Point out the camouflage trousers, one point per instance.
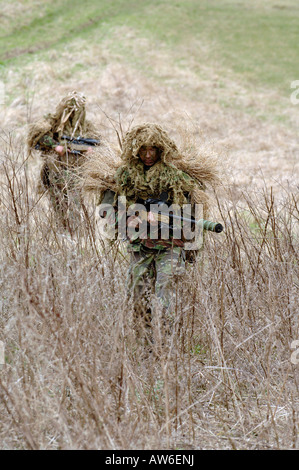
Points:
(154, 272)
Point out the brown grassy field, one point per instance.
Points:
(75, 375)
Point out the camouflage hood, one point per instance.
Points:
(148, 135)
(69, 119)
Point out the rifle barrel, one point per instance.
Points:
(81, 140)
(206, 224)
(211, 226)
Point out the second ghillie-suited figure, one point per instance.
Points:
(151, 167)
(56, 137)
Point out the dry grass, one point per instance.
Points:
(76, 376)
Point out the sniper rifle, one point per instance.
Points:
(74, 146)
(156, 206)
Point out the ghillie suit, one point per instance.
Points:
(154, 263)
(58, 172)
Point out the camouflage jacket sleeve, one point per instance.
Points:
(46, 142)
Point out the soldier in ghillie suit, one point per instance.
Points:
(53, 136)
(150, 164)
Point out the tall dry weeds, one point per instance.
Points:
(77, 377)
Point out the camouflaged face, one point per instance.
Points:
(148, 135)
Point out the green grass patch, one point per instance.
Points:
(59, 23)
(257, 42)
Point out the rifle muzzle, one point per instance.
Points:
(212, 226)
